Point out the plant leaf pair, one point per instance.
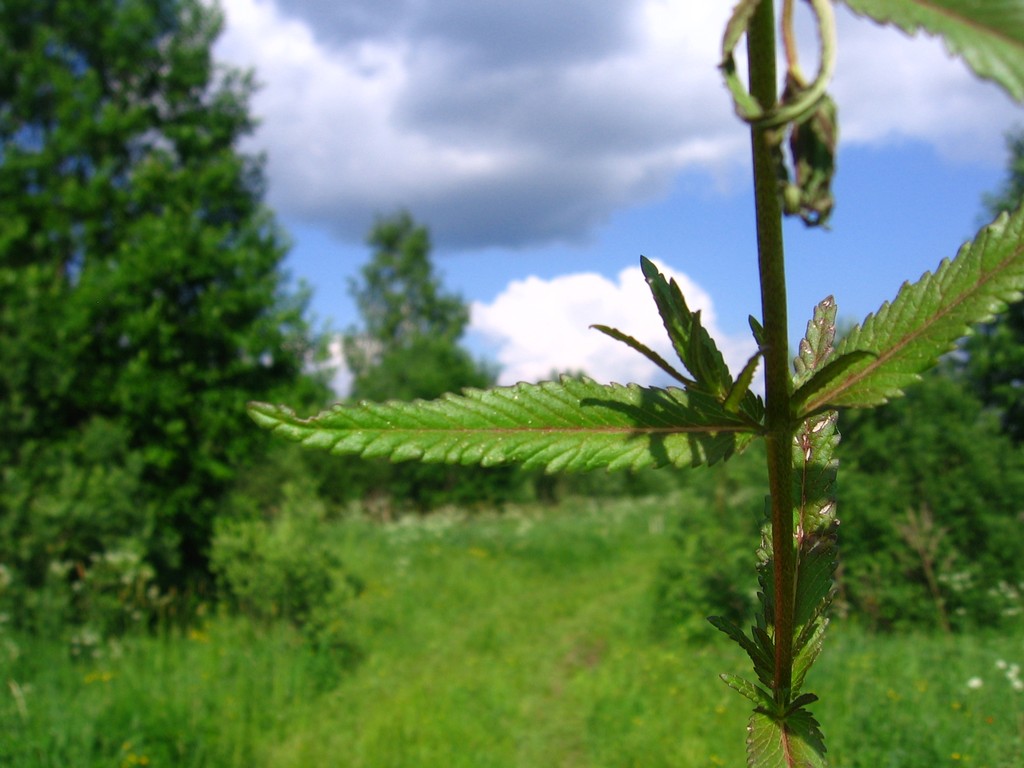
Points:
(791, 738)
(691, 341)
(695, 348)
(791, 741)
(782, 731)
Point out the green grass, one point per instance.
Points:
(513, 640)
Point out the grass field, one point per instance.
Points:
(519, 639)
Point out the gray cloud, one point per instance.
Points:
(345, 22)
(541, 200)
(528, 33)
(512, 124)
(478, 33)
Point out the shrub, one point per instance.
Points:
(76, 533)
(709, 570)
(283, 567)
(932, 505)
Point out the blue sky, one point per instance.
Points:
(548, 146)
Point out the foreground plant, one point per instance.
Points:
(579, 424)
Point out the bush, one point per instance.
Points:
(932, 504)
(75, 535)
(710, 571)
(283, 568)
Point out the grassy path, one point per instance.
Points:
(514, 641)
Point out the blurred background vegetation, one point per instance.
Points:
(143, 303)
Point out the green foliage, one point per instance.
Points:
(217, 695)
(578, 424)
(994, 362)
(932, 496)
(1011, 194)
(708, 569)
(423, 368)
(400, 298)
(140, 278)
(573, 424)
(283, 568)
(76, 529)
(797, 740)
(707, 574)
(691, 341)
(995, 368)
(782, 730)
(408, 346)
(509, 640)
(931, 524)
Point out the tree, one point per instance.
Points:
(932, 501)
(995, 353)
(406, 312)
(409, 349)
(140, 276)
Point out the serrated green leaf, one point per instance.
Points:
(764, 641)
(763, 662)
(757, 329)
(816, 345)
(815, 467)
(574, 424)
(791, 742)
(644, 350)
(810, 629)
(925, 320)
(807, 649)
(814, 581)
(696, 349)
(741, 387)
(800, 702)
(765, 579)
(834, 370)
(755, 693)
(988, 35)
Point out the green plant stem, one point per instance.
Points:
(771, 266)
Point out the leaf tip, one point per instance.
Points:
(647, 267)
(267, 415)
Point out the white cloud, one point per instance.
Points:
(542, 326)
(891, 87)
(341, 376)
(514, 124)
(490, 149)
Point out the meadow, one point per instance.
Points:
(490, 640)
